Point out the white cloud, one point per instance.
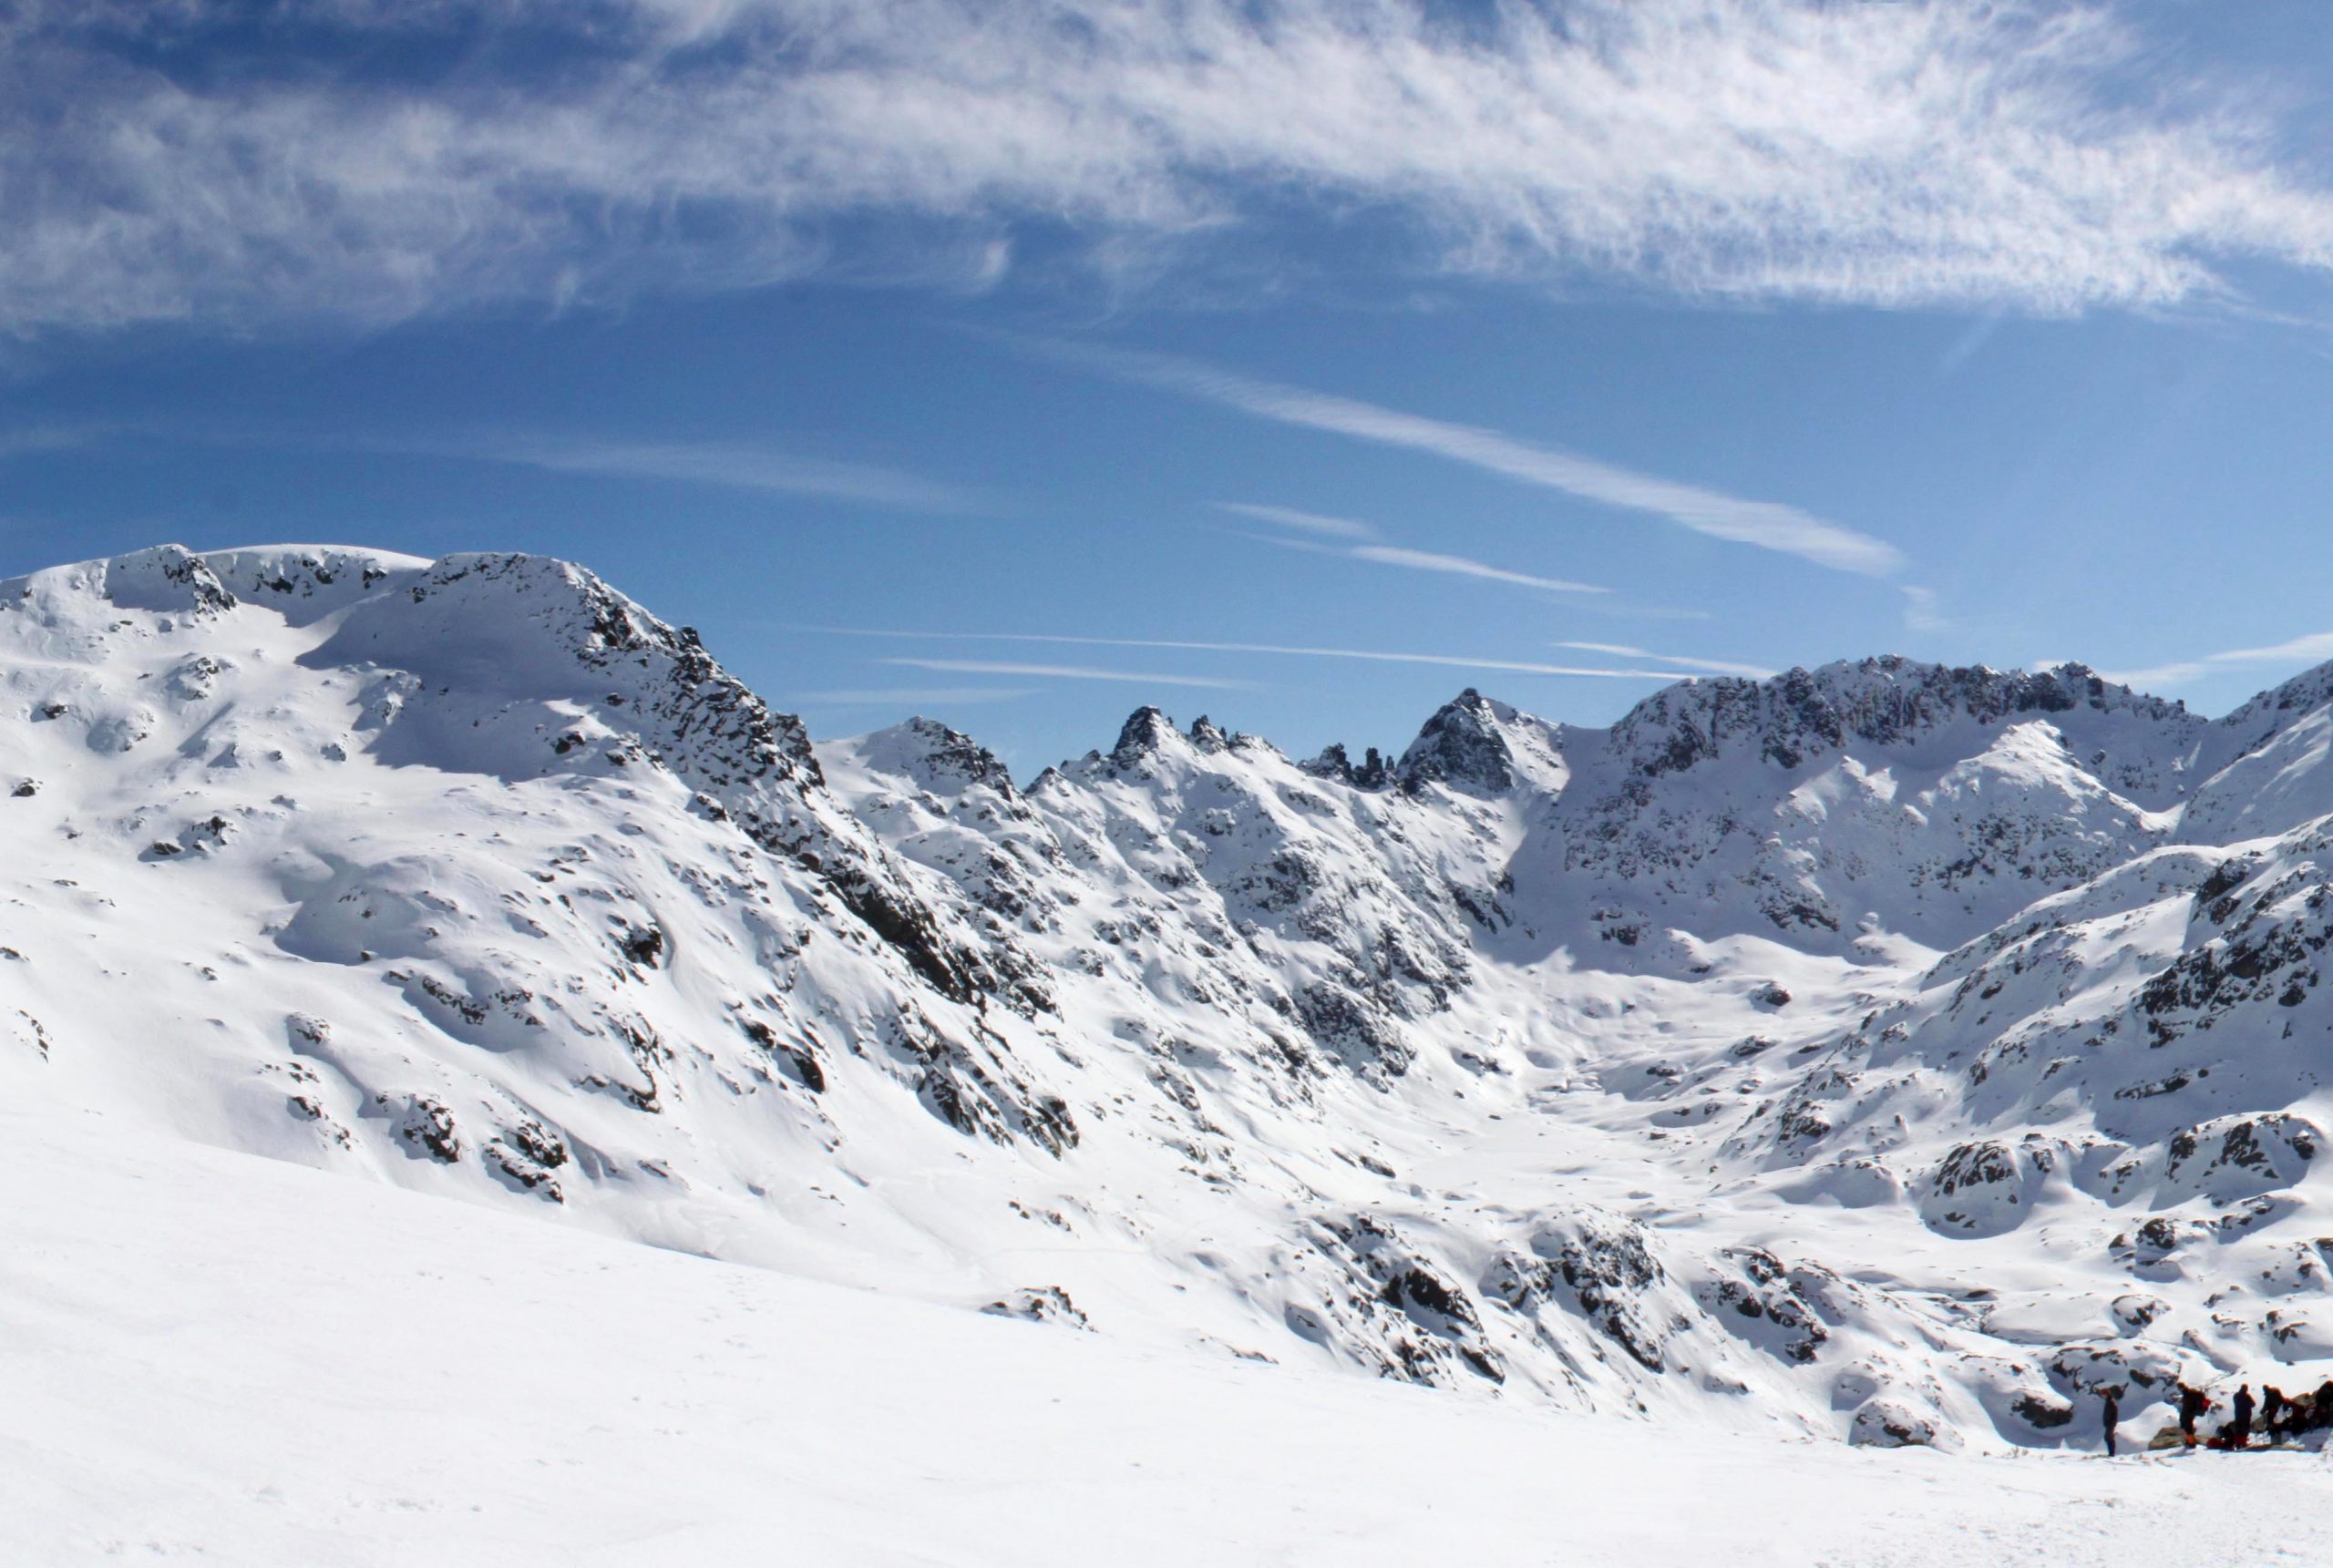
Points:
(1714, 666)
(36, 438)
(2153, 677)
(731, 465)
(1391, 555)
(1448, 661)
(901, 696)
(1066, 673)
(1459, 565)
(2315, 648)
(2023, 154)
(1309, 522)
(1769, 525)
(1924, 611)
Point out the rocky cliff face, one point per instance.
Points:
(1903, 1053)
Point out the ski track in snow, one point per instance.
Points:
(1883, 1052)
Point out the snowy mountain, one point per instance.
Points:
(1893, 1052)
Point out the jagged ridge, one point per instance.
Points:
(474, 876)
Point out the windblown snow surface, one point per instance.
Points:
(1880, 1057)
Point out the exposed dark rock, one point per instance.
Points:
(1893, 1424)
(1145, 732)
(1040, 1304)
(427, 1125)
(1373, 773)
(1601, 1266)
(166, 578)
(952, 755)
(1755, 1299)
(1398, 1308)
(643, 945)
(1800, 715)
(2240, 1156)
(2042, 1413)
(797, 1060)
(1461, 745)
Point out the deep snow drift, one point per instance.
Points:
(1884, 1052)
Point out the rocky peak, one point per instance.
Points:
(166, 578)
(2273, 709)
(1371, 773)
(1462, 746)
(1147, 730)
(305, 582)
(941, 755)
(1801, 714)
(535, 626)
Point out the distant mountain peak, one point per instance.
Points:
(938, 757)
(1148, 731)
(1462, 745)
(1371, 773)
(166, 578)
(1800, 714)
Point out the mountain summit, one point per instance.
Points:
(1901, 1052)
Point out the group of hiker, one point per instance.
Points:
(2280, 1417)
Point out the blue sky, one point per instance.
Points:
(1295, 363)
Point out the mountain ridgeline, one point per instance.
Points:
(1902, 1053)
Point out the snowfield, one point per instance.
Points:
(215, 1358)
(1882, 1057)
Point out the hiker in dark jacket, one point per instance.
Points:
(2321, 1408)
(2193, 1403)
(2111, 1415)
(2272, 1404)
(2239, 1431)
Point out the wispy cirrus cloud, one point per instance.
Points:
(369, 160)
(1068, 672)
(1461, 566)
(738, 465)
(2315, 648)
(33, 439)
(731, 465)
(1274, 650)
(1923, 609)
(2154, 677)
(1769, 525)
(896, 696)
(1714, 666)
(1345, 530)
(2312, 648)
(1306, 522)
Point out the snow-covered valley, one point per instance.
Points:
(1884, 1055)
(214, 1359)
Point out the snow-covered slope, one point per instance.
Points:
(1883, 1051)
(210, 1359)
